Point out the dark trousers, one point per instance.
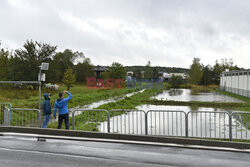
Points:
(64, 117)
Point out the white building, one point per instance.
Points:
(237, 82)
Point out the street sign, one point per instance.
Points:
(45, 66)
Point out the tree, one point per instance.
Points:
(175, 81)
(61, 62)
(218, 68)
(195, 72)
(117, 71)
(83, 70)
(69, 78)
(155, 73)
(148, 71)
(207, 75)
(29, 58)
(4, 61)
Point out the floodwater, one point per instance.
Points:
(207, 123)
(190, 95)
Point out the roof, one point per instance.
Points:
(100, 68)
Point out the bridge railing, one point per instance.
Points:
(129, 121)
(208, 124)
(90, 120)
(200, 124)
(26, 117)
(240, 125)
(166, 122)
(3, 106)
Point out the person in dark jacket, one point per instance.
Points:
(46, 110)
(62, 105)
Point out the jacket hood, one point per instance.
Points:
(59, 102)
(46, 96)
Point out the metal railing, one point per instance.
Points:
(3, 106)
(90, 120)
(166, 122)
(127, 121)
(240, 125)
(208, 124)
(200, 124)
(25, 117)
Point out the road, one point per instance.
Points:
(27, 152)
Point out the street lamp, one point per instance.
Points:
(41, 77)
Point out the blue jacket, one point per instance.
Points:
(46, 104)
(62, 105)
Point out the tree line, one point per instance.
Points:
(205, 75)
(23, 64)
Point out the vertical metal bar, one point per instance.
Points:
(141, 121)
(137, 121)
(230, 127)
(176, 131)
(155, 123)
(108, 119)
(125, 123)
(224, 125)
(172, 123)
(210, 129)
(164, 132)
(246, 124)
(186, 124)
(219, 127)
(146, 123)
(168, 122)
(205, 124)
(242, 121)
(159, 122)
(73, 120)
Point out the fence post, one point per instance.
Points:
(230, 127)
(146, 123)
(40, 119)
(108, 121)
(186, 124)
(73, 120)
(6, 116)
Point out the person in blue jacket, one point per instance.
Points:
(46, 109)
(62, 105)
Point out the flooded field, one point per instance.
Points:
(189, 95)
(205, 122)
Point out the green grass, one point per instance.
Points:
(245, 99)
(26, 98)
(126, 103)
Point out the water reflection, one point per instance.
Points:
(188, 95)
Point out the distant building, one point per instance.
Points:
(237, 82)
(130, 73)
(183, 75)
(98, 70)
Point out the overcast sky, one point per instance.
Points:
(166, 32)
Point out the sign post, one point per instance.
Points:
(44, 66)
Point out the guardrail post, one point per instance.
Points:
(186, 125)
(40, 119)
(6, 117)
(146, 123)
(73, 120)
(108, 121)
(230, 127)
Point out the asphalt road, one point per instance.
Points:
(26, 152)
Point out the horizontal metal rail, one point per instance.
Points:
(200, 124)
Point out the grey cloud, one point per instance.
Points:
(166, 32)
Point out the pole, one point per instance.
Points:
(39, 80)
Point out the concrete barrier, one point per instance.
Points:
(112, 136)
